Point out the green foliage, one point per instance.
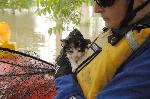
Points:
(61, 11)
(3, 4)
(16, 4)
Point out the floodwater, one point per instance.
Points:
(30, 32)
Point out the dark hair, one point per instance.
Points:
(105, 3)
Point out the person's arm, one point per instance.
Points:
(67, 87)
(133, 81)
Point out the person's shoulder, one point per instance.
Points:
(139, 58)
(132, 81)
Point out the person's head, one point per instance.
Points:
(114, 11)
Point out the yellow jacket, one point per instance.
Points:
(94, 77)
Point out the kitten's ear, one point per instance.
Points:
(63, 42)
(88, 41)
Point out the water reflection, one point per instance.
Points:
(30, 33)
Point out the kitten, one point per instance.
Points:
(75, 47)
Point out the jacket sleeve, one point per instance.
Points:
(132, 81)
(67, 86)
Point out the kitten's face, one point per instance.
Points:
(75, 41)
(75, 46)
(74, 49)
(75, 54)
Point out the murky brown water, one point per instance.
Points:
(30, 33)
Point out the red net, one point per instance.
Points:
(24, 76)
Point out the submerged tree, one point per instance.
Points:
(61, 11)
(15, 4)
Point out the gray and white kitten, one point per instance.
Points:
(75, 46)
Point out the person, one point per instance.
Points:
(121, 69)
(5, 34)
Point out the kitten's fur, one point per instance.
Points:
(75, 47)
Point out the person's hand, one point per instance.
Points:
(64, 66)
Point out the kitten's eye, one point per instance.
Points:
(81, 50)
(70, 51)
